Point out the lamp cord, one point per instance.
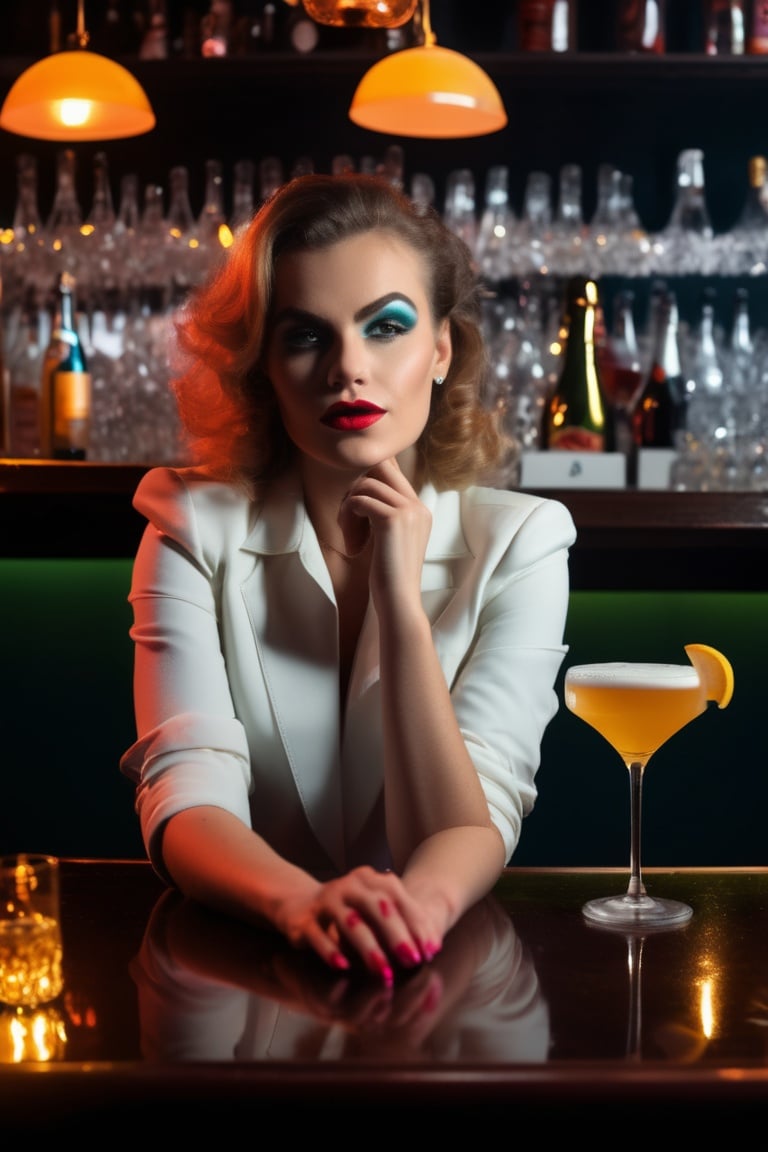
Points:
(81, 35)
(429, 37)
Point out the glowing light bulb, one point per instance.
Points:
(75, 113)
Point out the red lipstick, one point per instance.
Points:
(353, 417)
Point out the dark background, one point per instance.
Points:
(588, 107)
(593, 106)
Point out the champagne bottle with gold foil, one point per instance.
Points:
(66, 383)
(577, 415)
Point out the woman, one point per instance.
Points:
(345, 649)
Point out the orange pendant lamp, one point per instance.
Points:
(429, 92)
(77, 95)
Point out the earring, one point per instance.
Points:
(438, 380)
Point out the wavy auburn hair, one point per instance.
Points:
(225, 400)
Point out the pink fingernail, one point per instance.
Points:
(430, 950)
(381, 966)
(339, 961)
(407, 955)
(384, 907)
(352, 919)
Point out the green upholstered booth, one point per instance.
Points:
(65, 685)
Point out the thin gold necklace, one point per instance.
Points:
(349, 557)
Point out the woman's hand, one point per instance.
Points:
(366, 916)
(399, 525)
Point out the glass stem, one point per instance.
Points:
(636, 887)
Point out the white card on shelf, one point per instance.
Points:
(567, 469)
(653, 467)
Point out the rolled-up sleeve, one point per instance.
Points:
(191, 749)
(185, 762)
(503, 694)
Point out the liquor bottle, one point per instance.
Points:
(724, 33)
(101, 218)
(621, 374)
(243, 203)
(66, 216)
(65, 393)
(568, 230)
(576, 415)
(216, 28)
(28, 264)
(690, 212)
(640, 26)
(706, 370)
(154, 40)
(757, 41)
(212, 215)
(494, 233)
(754, 212)
(183, 249)
(459, 208)
(547, 25)
(271, 177)
(660, 408)
(119, 31)
(155, 279)
(54, 27)
(295, 30)
(128, 216)
(741, 330)
(24, 360)
(742, 360)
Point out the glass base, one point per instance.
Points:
(636, 912)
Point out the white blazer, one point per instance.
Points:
(236, 662)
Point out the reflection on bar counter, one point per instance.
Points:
(134, 267)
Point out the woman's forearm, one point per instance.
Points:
(455, 868)
(216, 859)
(431, 782)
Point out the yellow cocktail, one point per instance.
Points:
(636, 708)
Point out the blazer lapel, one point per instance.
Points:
(296, 648)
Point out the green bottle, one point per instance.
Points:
(577, 416)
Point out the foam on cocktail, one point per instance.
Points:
(636, 675)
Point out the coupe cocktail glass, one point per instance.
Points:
(636, 708)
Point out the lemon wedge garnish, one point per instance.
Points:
(715, 672)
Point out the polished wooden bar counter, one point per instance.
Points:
(626, 538)
(528, 1015)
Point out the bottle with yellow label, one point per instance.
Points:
(65, 395)
(577, 415)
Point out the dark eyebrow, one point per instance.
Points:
(377, 305)
(300, 316)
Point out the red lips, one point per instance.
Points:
(348, 417)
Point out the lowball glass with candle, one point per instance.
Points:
(30, 930)
(637, 707)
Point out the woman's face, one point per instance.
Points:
(352, 350)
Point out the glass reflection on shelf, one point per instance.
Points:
(213, 989)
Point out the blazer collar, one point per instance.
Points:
(282, 524)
